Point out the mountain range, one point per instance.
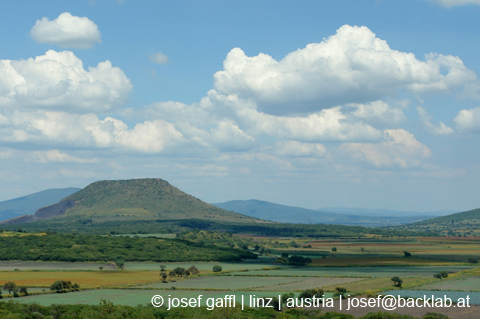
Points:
(339, 216)
(156, 199)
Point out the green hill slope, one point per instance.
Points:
(143, 199)
(28, 205)
(136, 199)
(464, 223)
(155, 206)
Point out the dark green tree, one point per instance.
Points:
(179, 271)
(24, 290)
(164, 276)
(299, 260)
(193, 270)
(9, 286)
(57, 286)
(120, 263)
(397, 282)
(340, 291)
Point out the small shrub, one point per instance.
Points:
(397, 282)
(340, 291)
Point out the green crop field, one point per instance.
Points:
(301, 283)
(199, 265)
(463, 284)
(134, 297)
(226, 282)
(406, 271)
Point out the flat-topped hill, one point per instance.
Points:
(136, 199)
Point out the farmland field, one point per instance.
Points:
(349, 267)
(383, 283)
(302, 283)
(133, 297)
(407, 271)
(250, 282)
(44, 265)
(225, 282)
(199, 265)
(376, 261)
(454, 295)
(463, 284)
(86, 279)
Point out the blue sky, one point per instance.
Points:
(371, 104)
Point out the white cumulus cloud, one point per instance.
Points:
(326, 125)
(66, 130)
(399, 148)
(352, 66)
(67, 31)
(58, 80)
(468, 120)
(229, 137)
(377, 113)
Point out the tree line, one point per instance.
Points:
(78, 248)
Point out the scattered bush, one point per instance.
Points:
(193, 270)
(340, 291)
(9, 286)
(397, 282)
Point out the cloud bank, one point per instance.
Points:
(58, 80)
(352, 66)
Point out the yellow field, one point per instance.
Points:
(86, 279)
(379, 262)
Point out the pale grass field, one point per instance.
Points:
(373, 261)
(86, 279)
